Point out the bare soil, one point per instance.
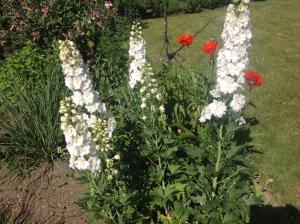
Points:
(47, 196)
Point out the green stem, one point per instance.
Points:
(217, 165)
(95, 184)
(212, 58)
(229, 177)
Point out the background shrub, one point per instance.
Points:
(25, 67)
(154, 8)
(101, 35)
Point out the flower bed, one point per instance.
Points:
(175, 153)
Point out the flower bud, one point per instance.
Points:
(162, 109)
(143, 105)
(116, 157)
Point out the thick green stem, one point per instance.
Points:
(217, 165)
(160, 166)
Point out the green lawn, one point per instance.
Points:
(275, 53)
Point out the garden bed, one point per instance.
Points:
(48, 195)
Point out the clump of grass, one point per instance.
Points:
(31, 128)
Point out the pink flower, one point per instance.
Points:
(36, 35)
(95, 14)
(45, 10)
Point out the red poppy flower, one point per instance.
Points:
(45, 10)
(186, 39)
(253, 79)
(210, 47)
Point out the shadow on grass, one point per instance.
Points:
(274, 215)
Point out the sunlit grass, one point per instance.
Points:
(275, 53)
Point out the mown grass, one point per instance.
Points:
(275, 53)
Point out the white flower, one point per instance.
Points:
(153, 91)
(143, 105)
(206, 114)
(232, 61)
(162, 109)
(217, 108)
(72, 162)
(85, 150)
(202, 119)
(92, 120)
(81, 163)
(94, 164)
(111, 126)
(77, 78)
(137, 51)
(227, 85)
(77, 98)
(238, 102)
(116, 157)
(241, 121)
(158, 96)
(63, 119)
(216, 93)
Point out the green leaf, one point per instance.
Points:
(90, 204)
(169, 152)
(173, 168)
(233, 151)
(194, 152)
(199, 200)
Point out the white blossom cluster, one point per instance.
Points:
(77, 78)
(137, 51)
(87, 134)
(77, 131)
(231, 63)
(149, 91)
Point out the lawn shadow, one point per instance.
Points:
(243, 135)
(266, 214)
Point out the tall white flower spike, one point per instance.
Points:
(86, 134)
(232, 60)
(137, 51)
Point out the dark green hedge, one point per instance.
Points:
(152, 8)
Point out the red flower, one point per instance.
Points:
(210, 47)
(253, 79)
(45, 10)
(186, 39)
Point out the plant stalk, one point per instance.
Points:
(217, 165)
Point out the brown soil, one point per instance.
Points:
(47, 196)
